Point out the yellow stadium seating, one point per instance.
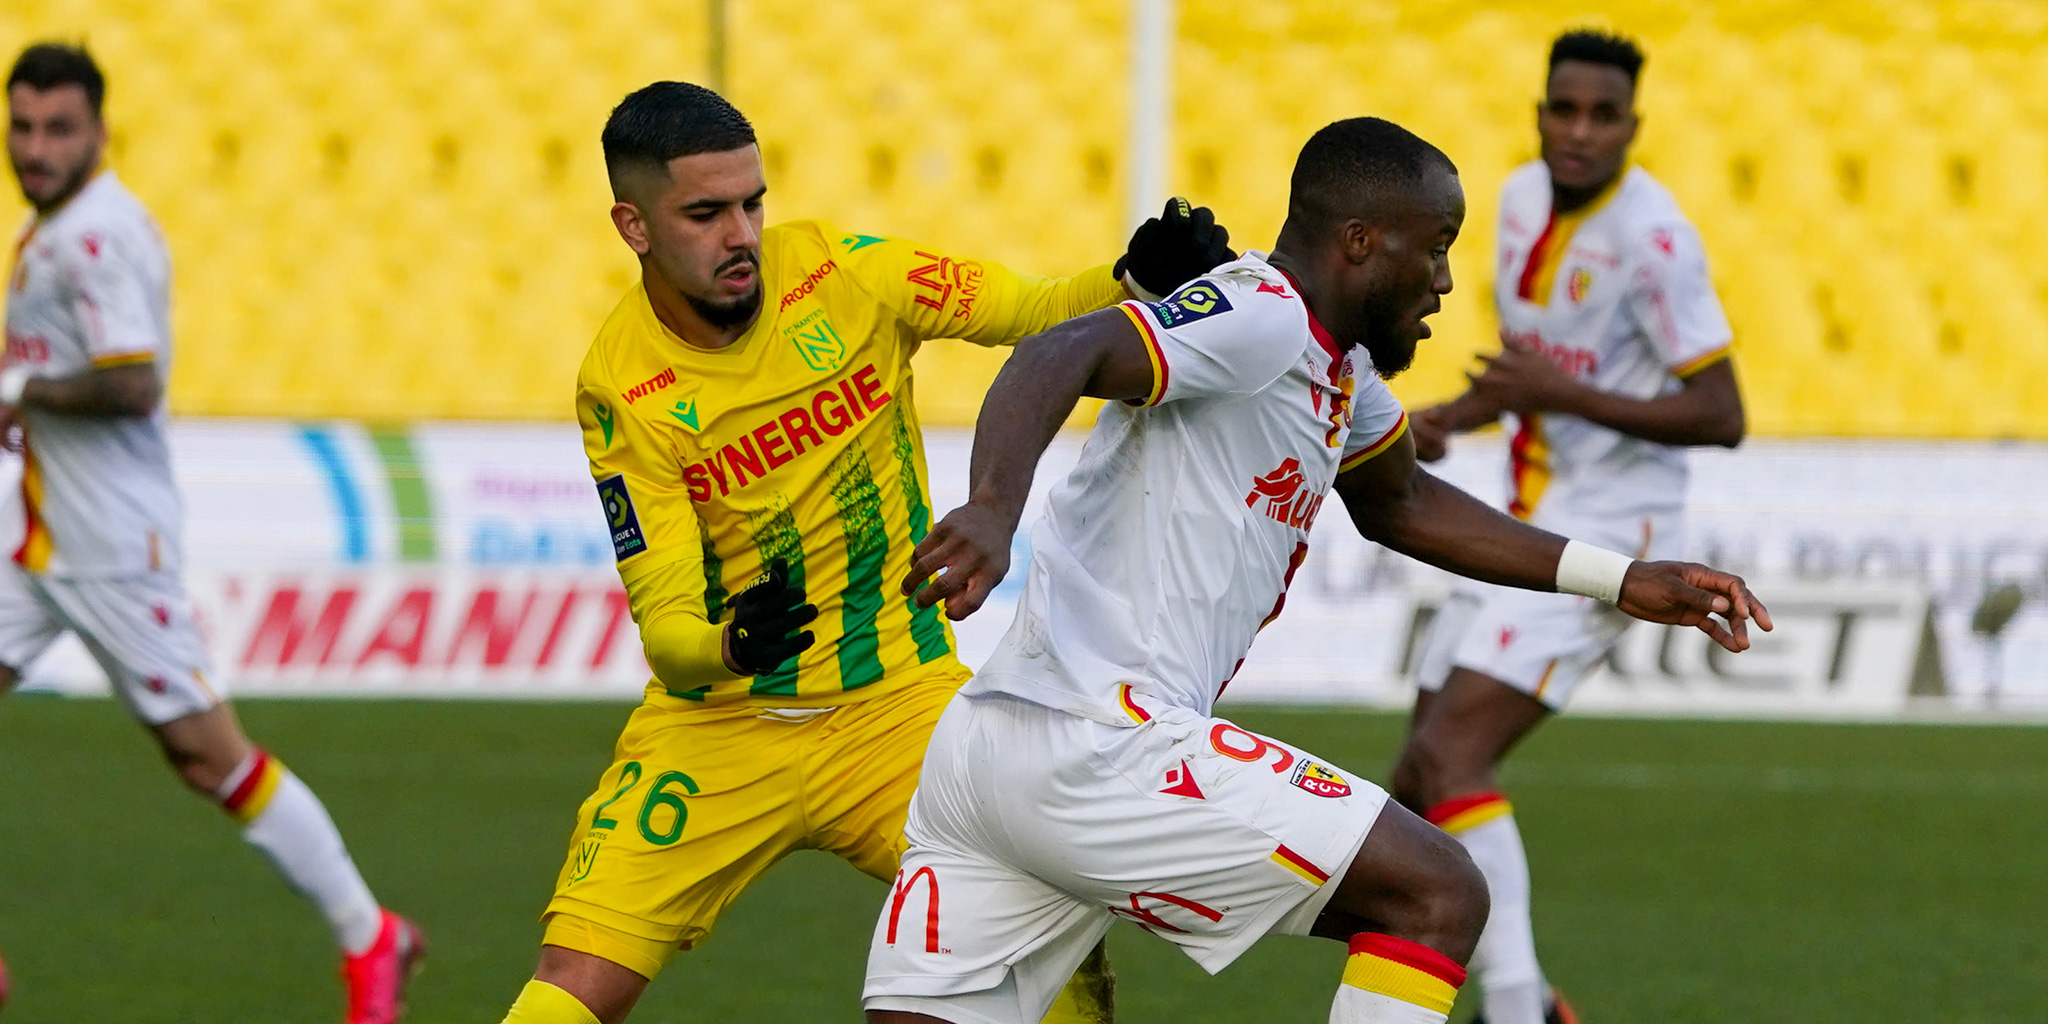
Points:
(396, 210)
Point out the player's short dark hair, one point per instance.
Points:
(660, 122)
(1593, 46)
(1358, 166)
(46, 66)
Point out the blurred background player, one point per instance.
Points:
(747, 456)
(81, 397)
(1615, 356)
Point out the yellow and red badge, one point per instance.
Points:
(1312, 778)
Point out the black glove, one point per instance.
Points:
(765, 618)
(1168, 251)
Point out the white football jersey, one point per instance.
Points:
(1617, 294)
(1174, 538)
(90, 288)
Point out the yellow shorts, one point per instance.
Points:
(700, 801)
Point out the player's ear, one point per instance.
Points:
(632, 226)
(1359, 240)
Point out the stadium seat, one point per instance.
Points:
(369, 200)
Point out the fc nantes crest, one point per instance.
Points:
(817, 342)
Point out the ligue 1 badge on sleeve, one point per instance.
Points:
(1196, 301)
(627, 540)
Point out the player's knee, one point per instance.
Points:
(197, 771)
(1405, 783)
(1437, 764)
(1448, 905)
(1462, 901)
(8, 677)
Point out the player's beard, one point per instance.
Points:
(1385, 341)
(731, 313)
(68, 185)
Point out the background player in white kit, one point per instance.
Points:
(1080, 776)
(81, 397)
(1615, 354)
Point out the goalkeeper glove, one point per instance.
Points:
(1169, 250)
(766, 618)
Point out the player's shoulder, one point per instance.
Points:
(814, 243)
(1247, 295)
(104, 207)
(804, 256)
(625, 344)
(1528, 183)
(1651, 222)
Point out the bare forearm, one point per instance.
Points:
(122, 391)
(1032, 396)
(1439, 524)
(1692, 416)
(1468, 411)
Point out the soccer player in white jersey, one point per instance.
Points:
(1614, 358)
(1081, 776)
(81, 397)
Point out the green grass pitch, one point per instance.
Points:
(1685, 871)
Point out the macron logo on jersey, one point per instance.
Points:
(1287, 500)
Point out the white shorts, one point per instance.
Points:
(1033, 829)
(139, 629)
(1542, 644)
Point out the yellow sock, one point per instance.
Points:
(1389, 980)
(542, 1003)
(1089, 995)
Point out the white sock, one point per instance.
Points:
(1395, 981)
(281, 817)
(1357, 1006)
(1505, 959)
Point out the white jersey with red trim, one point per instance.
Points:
(1617, 294)
(1174, 538)
(90, 288)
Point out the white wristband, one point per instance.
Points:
(1138, 290)
(1593, 571)
(12, 381)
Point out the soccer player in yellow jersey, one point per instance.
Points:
(747, 413)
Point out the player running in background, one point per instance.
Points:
(1615, 355)
(88, 350)
(1081, 776)
(747, 412)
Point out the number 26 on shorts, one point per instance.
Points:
(662, 811)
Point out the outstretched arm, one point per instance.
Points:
(1394, 502)
(131, 389)
(1707, 410)
(1434, 426)
(1100, 355)
(128, 390)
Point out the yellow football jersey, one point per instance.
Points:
(797, 441)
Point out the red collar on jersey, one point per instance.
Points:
(1315, 327)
